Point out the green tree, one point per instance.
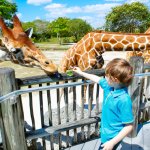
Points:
(58, 27)
(40, 29)
(134, 17)
(7, 9)
(78, 28)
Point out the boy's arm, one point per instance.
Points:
(92, 77)
(123, 133)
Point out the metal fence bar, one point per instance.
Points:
(19, 92)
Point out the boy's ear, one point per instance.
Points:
(116, 80)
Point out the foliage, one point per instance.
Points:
(7, 9)
(78, 28)
(59, 27)
(40, 30)
(62, 28)
(134, 17)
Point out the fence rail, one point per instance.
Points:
(60, 126)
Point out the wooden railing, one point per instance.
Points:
(64, 127)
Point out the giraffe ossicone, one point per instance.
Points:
(22, 50)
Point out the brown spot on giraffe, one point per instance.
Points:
(107, 46)
(135, 45)
(130, 39)
(112, 41)
(142, 47)
(118, 38)
(118, 46)
(125, 42)
(106, 38)
(141, 40)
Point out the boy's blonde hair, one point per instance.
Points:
(120, 69)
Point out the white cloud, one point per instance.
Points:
(142, 1)
(38, 2)
(114, 0)
(19, 15)
(93, 14)
(54, 6)
(37, 18)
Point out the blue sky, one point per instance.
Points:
(93, 11)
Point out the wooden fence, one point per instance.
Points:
(63, 127)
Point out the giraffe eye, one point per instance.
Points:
(46, 62)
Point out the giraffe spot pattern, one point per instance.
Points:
(141, 40)
(135, 45)
(113, 41)
(129, 47)
(107, 46)
(142, 47)
(118, 46)
(131, 39)
(106, 37)
(125, 42)
(118, 38)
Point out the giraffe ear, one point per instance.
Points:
(17, 24)
(29, 32)
(2, 23)
(5, 30)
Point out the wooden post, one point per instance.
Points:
(11, 119)
(136, 89)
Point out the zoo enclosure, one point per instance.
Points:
(15, 134)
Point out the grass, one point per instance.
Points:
(49, 46)
(53, 44)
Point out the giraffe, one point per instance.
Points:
(22, 50)
(4, 56)
(87, 53)
(145, 54)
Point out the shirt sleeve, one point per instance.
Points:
(103, 83)
(125, 107)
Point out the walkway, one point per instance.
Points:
(140, 142)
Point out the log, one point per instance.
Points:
(10, 115)
(136, 89)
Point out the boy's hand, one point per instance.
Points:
(108, 145)
(76, 69)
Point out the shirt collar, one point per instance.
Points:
(118, 92)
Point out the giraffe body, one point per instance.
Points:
(84, 54)
(145, 54)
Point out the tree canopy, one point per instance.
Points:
(61, 27)
(7, 9)
(134, 17)
(78, 28)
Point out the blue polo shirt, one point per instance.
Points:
(116, 111)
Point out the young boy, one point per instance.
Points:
(117, 118)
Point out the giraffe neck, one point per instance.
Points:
(121, 42)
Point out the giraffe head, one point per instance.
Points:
(22, 50)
